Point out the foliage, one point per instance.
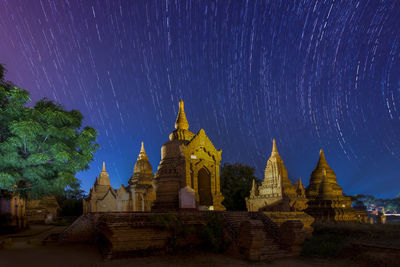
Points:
(42, 145)
(324, 244)
(236, 180)
(213, 234)
(70, 200)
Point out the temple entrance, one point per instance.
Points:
(204, 186)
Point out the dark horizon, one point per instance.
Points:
(311, 75)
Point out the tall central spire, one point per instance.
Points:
(104, 178)
(142, 153)
(274, 148)
(181, 121)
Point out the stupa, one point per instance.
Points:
(326, 199)
(188, 161)
(139, 194)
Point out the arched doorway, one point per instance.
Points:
(204, 187)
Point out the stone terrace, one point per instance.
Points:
(121, 234)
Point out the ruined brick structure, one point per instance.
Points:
(137, 196)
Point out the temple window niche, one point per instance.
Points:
(204, 187)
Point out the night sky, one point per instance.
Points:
(312, 74)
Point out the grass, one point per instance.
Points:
(328, 240)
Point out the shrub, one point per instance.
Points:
(213, 235)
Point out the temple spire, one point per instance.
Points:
(104, 167)
(274, 152)
(104, 178)
(274, 148)
(300, 183)
(322, 163)
(142, 153)
(181, 121)
(322, 155)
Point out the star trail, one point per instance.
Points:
(312, 74)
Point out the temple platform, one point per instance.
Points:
(251, 235)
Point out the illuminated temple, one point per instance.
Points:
(187, 177)
(188, 174)
(323, 199)
(137, 196)
(277, 192)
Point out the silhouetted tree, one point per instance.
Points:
(236, 180)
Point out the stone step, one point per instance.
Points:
(273, 255)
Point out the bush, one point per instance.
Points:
(213, 235)
(325, 245)
(329, 239)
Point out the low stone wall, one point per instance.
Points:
(120, 234)
(281, 217)
(37, 210)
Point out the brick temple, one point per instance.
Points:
(186, 186)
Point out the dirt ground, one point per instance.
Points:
(25, 249)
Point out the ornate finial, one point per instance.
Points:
(104, 179)
(274, 148)
(104, 167)
(142, 148)
(181, 121)
(142, 153)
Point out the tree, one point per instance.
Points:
(42, 145)
(236, 181)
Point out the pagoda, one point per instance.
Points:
(139, 194)
(189, 164)
(276, 192)
(326, 199)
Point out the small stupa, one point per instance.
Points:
(326, 199)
